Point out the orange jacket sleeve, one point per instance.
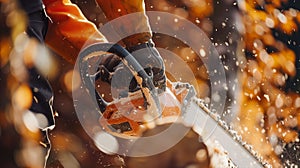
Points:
(129, 26)
(69, 30)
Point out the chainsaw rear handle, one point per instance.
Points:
(128, 61)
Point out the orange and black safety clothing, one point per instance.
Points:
(69, 30)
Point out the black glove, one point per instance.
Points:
(113, 71)
(149, 58)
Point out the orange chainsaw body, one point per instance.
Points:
(126, 116)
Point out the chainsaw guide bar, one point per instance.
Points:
(193, 110)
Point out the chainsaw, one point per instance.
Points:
(127, 116)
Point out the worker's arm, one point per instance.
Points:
(136, 33)
(132, 24)
(69, 30)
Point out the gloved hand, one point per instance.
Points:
(149, 58)
(113, 71)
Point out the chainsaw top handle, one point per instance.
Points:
(146, 83)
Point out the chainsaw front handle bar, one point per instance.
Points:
(127, 59)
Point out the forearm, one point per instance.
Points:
(131, 25)
(69, 30)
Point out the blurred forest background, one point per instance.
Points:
(259, 45)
